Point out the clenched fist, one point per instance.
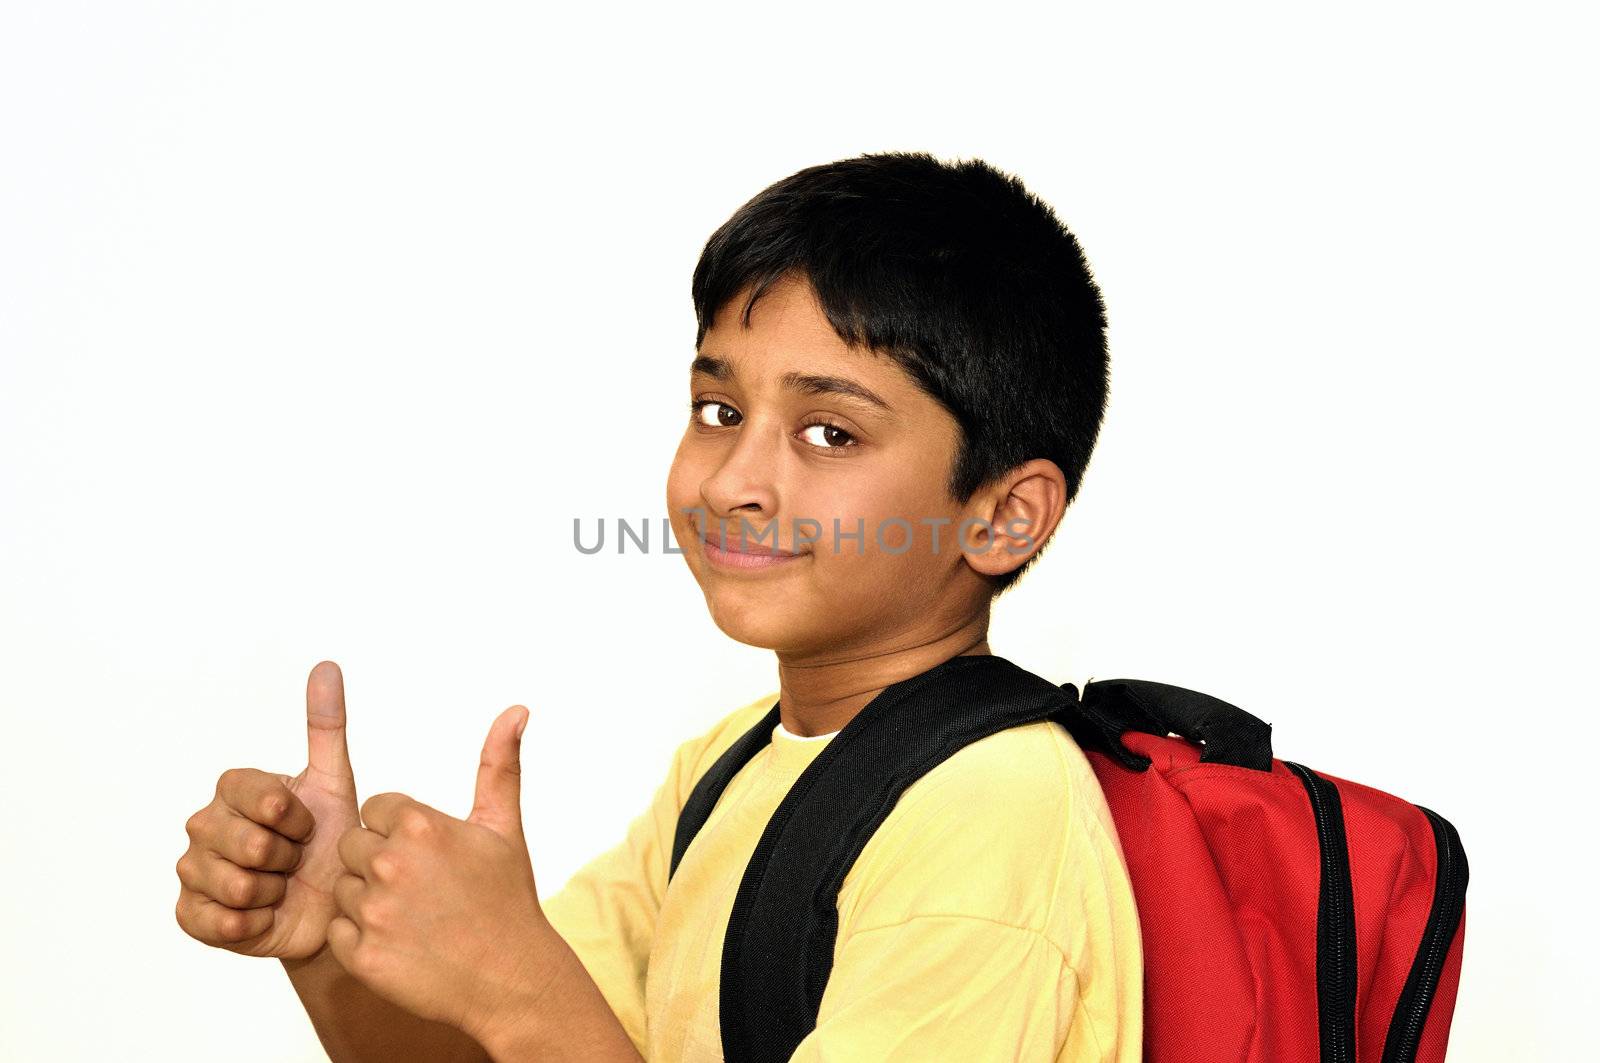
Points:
(263, 856)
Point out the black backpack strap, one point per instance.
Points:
(778, 950)
(703, 798)
(1113, 706)
(1093, 722)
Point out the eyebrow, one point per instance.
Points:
(805, 383)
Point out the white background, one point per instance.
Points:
(319, 324)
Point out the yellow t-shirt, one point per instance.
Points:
(989, 917)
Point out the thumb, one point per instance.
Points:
(327, 754)
(497, 801)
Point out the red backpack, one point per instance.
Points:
(1287, 916)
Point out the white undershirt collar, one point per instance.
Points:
(780, 731)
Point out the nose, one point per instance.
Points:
(743, 485)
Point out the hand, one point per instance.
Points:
(441, 915)
(258, 875)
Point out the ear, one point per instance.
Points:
(1017, 516)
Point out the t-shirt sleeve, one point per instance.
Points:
(607, 910)
(944, 987)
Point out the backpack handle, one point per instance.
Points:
(1230, 735)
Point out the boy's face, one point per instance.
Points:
(767, 457)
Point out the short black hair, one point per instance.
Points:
(958, 272)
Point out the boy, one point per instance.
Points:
(900, 376)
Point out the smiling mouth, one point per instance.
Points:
(730, 551)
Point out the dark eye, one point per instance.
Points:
(720, 419)
(829, 436)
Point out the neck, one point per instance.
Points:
(817, 697)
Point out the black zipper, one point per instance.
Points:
(1336, 922)
(1444, 915)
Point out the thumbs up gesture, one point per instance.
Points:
(258, 875)
(440, 915)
